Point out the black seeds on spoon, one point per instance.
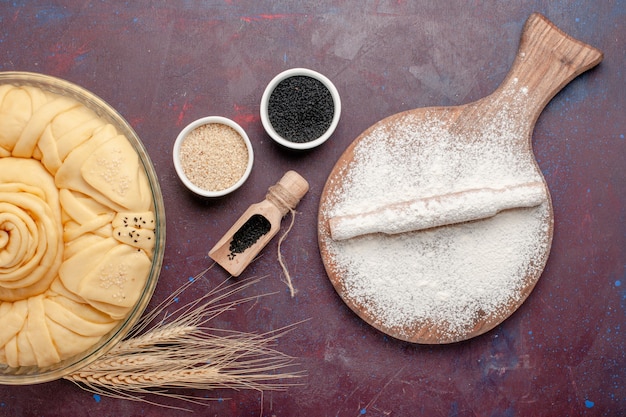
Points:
(248, 234)
(300, 108)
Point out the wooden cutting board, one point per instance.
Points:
(546, 61)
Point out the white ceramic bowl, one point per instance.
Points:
(265, 101)
(177, 162)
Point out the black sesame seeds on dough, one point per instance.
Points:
(300, 109)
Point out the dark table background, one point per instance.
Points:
(164, 64)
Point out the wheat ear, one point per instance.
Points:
(172, 350)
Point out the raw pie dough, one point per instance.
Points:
(76, 227)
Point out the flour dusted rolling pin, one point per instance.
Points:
(441, 210)
(433, 147)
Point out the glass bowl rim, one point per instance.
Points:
(33, 374)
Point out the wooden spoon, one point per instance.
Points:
(546, 61)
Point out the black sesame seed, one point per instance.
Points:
(300, 108)
(248, 234)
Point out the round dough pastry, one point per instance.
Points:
(77, 227)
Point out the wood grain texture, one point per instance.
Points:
(547, 59)
(280, 199)
(164, 64)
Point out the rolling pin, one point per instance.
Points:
(436, 211)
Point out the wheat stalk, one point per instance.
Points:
(172, 350)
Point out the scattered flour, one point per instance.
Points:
(446, 278)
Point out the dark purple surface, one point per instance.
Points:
(162, 65)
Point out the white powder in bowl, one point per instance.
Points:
(442, 280)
